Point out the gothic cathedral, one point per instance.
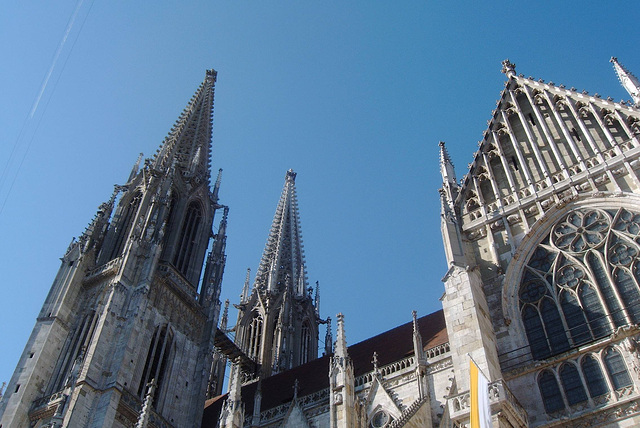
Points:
(542, 291)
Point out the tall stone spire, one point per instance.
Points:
(628, 80)
(283, 257)
(278, 319)
(188, 145)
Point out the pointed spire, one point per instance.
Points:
(283, 256)
(328, 339)
(245, 289)
(316, 302)
(418, 349)
(225, 316)
(136, 167)
(216, 187)
(188, 144)
(143, 419)
(341, 339)
(628, 80)
(446, 165)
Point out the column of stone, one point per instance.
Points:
(547, 133)
(516, 148)
(496, 191)
(612, 142)
(623, 123)
(565, 131)
(594, 146)
(532, 141)
(485, 214)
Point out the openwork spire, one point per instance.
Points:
(282, 262)
(628, 80)
(188, 145)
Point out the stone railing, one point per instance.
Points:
(386, 370)
(500, 398)
(49, 402)
(436, 351)
(110, 267)
(305, 402)
(172, 275)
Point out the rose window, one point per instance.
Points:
(580, 230)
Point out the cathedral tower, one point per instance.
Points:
(278, 319)
(130, 317)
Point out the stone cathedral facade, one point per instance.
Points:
(542, 291)
(125, 334)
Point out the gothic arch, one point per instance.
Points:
(559, 269)
(188, 238)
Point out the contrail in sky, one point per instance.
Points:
(55, 58)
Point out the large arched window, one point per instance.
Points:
(593, 375)
(124, 225)
(254, 336)
(582, 280)
(188, 239)
(157, 364)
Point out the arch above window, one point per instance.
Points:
(581, 281)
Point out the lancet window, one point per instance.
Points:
(582, 280)
(188, 240)
(75, 351)
(565, 385)
(254, 336)
(305, 343)
(124, 225)
(157, 364)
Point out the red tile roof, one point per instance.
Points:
(391, 346)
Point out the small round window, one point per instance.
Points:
(380, 419)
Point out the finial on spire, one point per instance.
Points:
(316, 302)
(290, 176)
(145, 413)
(216, 186)
(374, 361)
(225, 316)
(245, 289)
(627, 79)
(508, 68)
(328, 339)
(296, 385)
(446, 165)
(136, 167)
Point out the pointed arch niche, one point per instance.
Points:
(187, 244)
(576, 277)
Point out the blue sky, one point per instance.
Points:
(354, 96)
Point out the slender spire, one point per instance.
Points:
(316, 302)
(224, 321)
(283, 256)
(628, 80)
(136, 167)
(446, 165)
(145, 413)
(188, 145)
(216, 187)
(417, 338)
(245, 289)
(328, 339)
(341, 339)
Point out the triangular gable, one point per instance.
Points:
(295, 417)
(379, 398)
